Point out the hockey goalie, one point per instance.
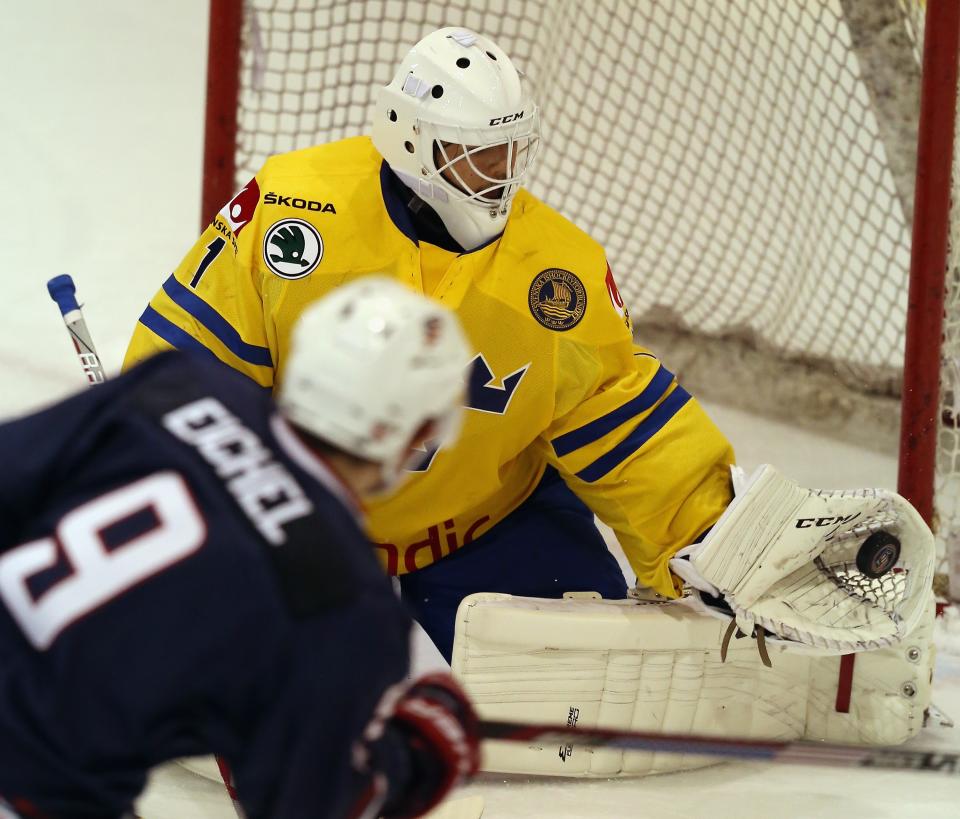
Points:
(787, 581)
(566, 420)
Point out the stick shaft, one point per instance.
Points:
(63, 291)
(86, 352)
(794, 753)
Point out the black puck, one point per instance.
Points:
(878, 554)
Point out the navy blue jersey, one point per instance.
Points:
(180, 576)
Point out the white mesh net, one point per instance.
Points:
(748, 166)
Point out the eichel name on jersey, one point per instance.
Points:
(557, 380)
(179, 576)
(266, 492)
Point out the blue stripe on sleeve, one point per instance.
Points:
(595, 430)
(173, 335)
(644, 431)
(182, 340)
(216, 324)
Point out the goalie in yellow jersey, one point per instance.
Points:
(565, 416)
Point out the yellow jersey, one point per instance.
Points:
(556, 380)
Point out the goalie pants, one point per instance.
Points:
(545, 547)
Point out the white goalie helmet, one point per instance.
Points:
(373, 366)
(457, 88)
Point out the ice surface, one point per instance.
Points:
(101, 129)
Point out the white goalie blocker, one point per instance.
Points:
(655, 665)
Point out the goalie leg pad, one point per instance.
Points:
(656, 667)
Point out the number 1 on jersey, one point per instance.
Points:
(213, 250)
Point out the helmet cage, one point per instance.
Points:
(522, 141)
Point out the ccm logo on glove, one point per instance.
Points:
(806, 523)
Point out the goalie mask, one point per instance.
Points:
(375, 368)
(457, 126)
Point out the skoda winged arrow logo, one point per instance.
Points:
(292, 248)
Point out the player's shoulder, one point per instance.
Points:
(325, 560)
(545, 239)
(190, 372)
(319, 196)
(351, 157)
(170, 380)
(300, 517)
(569, 286)
(546, 227)
(319, 562)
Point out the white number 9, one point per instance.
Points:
(176, 530)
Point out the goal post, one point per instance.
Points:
(925, 417)
(749, 168)
(220, 122)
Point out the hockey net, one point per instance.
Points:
(749, 167)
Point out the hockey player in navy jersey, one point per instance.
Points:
(183, 571)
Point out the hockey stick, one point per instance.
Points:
(63, 291)
(760, 750)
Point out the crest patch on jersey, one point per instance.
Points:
(292, 248)
(557, 299)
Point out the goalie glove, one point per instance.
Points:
(837, 571)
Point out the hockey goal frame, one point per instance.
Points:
(920, 407)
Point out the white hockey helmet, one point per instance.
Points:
(458, 87)
(373, 366)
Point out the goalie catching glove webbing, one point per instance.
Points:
(838, 571)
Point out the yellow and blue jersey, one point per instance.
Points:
(556, 380)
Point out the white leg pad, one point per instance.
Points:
(656, 667)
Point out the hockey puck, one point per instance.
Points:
(878, 554)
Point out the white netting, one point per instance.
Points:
(748, 166)
(728, 158)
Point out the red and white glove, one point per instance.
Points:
(441, 730)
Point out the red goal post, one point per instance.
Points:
(925, 413)
(749, 168)
(220, 122)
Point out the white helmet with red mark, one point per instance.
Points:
(458, 88)
(374, 369)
